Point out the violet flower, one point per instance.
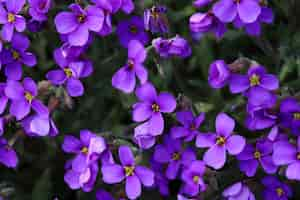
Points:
(173, 154)
(11, 19)
(227, 10)
(192, 177)
(23, 98)
(252, 156)
(149, 110)
(238, 191)
(16, 55)
(290, 115)
(155, 19)
(189, 127)
(124, 79)
(201, 3)
(132, 173)
(132, 29)
(284, 153)
(3, 98)
(39, 8)
(219, 74)
(78, 23)
(275, 189)
(8, 156)
(220, 142)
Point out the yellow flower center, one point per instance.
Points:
(221, 141)
(84, 150)
(129, 170)
(133, 29)
(81, 18)
(176, 156)
(279, 192)
(130, 64)
(15, 55)
(254, 80)
(296, 116)
(28, 97)
(11, 17)
(257, 155)
(68, 72)
(155, 107)
(196, 179)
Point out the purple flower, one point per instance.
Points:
(37, 125)
(84, 178)
(201, 23)
(161, 181)
(254, 28)
(260, 117)
(3, 98)
(11, 19)
(257, 84)
(220, 142)
(8, 156)
(275, 190)
(103, 195)
(39, 8)
(70, 76)
(290, 115)
(124, 79)
(251, 156)
(36, 26)
(173, 154)
(78, 23)
(155, 19)
(219, 74)
(192, 177)
(227, 10)
(238, 191)
(201, 3)
(176, 46)
(23, 98)
(16, 55)
(87, 149)
(285, 153)
(132, 29)
(189, 127)
(149, 110)
(132, 173)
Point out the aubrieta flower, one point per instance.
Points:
(275, 189)
(37, 125)
(238, 191)
(3, 98)
(251, 157)
(201, 23)
(39, 8)
(190, 125)
(71, 75)
(201, 3)
(192, 177)
(8, 156)
(16, 55)
(149, 109)
(125, 78)
(219, 74)
(11, 19)
(155, 19)
(172, 153)
(132, 29)
(257, 84)
(134, 174)
(290, 115)
(87, 149)
(84, 178)
(220, 142)
(227, 10)
(23, 98)
(160, 180)
(78, 23)
(176, 46)
(284, 153)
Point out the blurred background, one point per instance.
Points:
(106, 111)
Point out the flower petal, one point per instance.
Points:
(235, 144)
(145, 175)
(215, 157)
(133, 187)
(224, 124)
(112, 173)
